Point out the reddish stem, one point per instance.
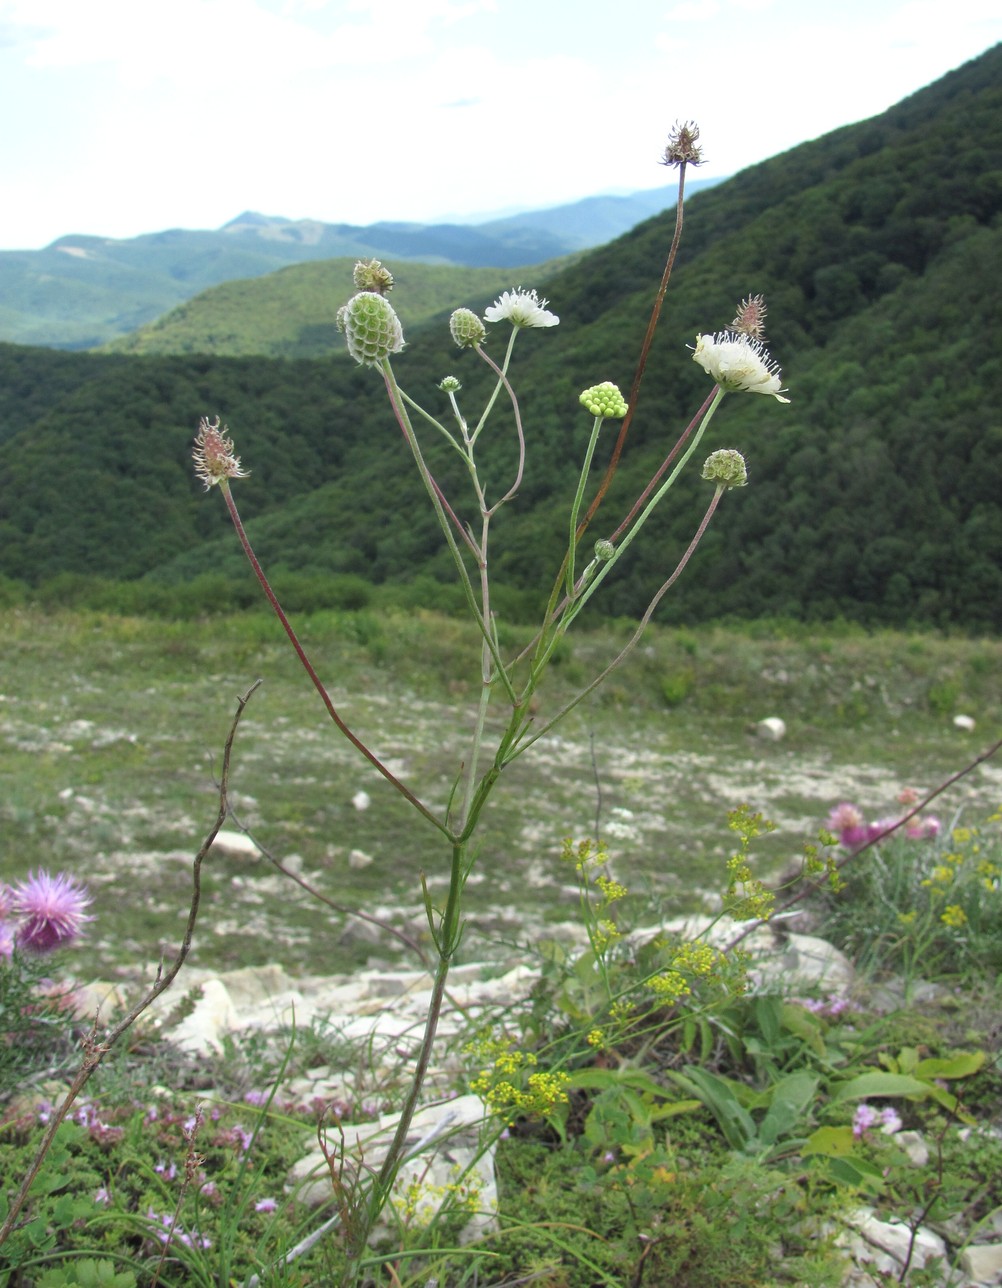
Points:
(318, 684)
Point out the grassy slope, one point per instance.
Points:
(112, 726)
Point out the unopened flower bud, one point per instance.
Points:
(370, 275)
(450, 385)
(371, 328)
(466, 328)
(726, 468)
(604, 550)
(604, 400)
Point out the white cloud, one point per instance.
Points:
(133, 115)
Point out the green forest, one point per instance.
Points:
(875, 496)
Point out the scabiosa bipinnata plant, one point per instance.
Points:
(737, 360)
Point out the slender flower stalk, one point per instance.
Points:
(634, 640)
(307, 665)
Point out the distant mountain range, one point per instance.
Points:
(874, 497)
(81, 292)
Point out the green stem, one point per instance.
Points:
(502, 373)
(449, 937)
(635, 637)
(576, 505)
(438, 502)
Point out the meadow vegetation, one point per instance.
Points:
(659, 1108)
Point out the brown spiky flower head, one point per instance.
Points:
(750, 318)
(683, 145)
(371, 275)
(213, 454)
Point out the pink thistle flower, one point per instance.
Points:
(52, 909)
(848, 822)
(843, 816)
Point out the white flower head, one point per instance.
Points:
(520, 308)
(739, 364)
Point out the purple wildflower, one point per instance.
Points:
(863, 1119)
(52, 909)
(866, 1118)
(923, 829)
(266, 1205)
(849, 825)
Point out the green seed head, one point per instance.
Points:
(450, 385)
(466, 328)
(726, 467)
(604, 400)
(371, 328)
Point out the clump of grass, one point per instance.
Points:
(922, 907)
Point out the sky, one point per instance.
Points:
(129, 116)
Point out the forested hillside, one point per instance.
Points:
(876, 494)
(293, 313)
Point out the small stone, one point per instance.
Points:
(772, 729)
(361, 800)
(983, 1263)
(964, 723)
(358, 859)
(914, 1145)
(235, 845)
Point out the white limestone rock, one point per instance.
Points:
(791, 961)
(888, 1245)
(214, 1015)
(982, 1263)
(452, 1151)
(235, 845)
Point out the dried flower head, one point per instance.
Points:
(726, 468)
(750, 318)
(371, 328)
(604, 400)
(52, 911)
(466, 329)
(520, 308)
(739, 364)
(213, 454)
(683, 145)
(370, 275)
